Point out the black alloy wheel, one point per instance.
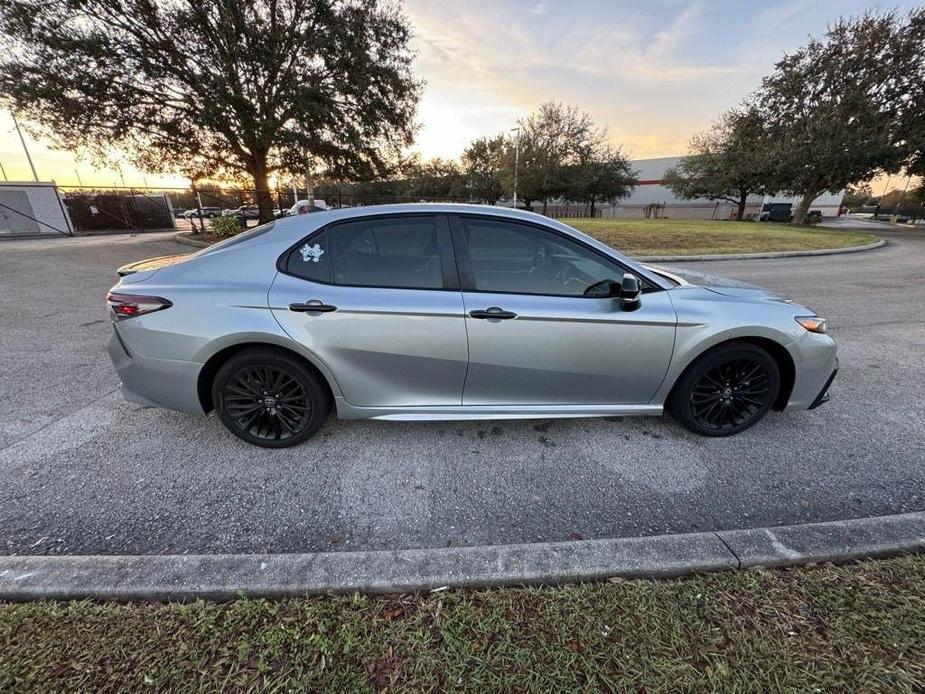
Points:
(727, 390)
(730, 394)
(269, 398)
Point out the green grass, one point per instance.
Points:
(645, 237)
(857, 627)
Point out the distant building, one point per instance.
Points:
(652, 198)
(652, 192)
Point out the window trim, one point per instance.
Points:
(448, 261)
(467, 279)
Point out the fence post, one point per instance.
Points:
(202, 224)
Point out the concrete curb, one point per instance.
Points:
(223, 577)
(183, 238)
(760, 256)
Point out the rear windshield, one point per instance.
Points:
(238, 238)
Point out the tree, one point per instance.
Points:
(834, 107)
(433, 180)
(602, 173)
(912, 109)
(550, 140)
(730, 161)
(857, 196)
(483, 164)
(215, 86)
(917, 194)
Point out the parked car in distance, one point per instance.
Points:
(244, 211)
(178, 212)
(432, 312)
(305, 207)
(207, 212)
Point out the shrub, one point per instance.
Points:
(225, 227)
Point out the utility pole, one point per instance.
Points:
(516, 162)
(25, 148)
(309, 189)
(79, 182)
(3, 171)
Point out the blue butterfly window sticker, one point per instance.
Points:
(311, 254)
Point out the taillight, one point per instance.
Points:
(122, 306)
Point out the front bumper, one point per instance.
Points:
(824, 394)
(815, 360)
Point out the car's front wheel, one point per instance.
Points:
(269, 398)
(727, 390)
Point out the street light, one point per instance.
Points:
(516, 161)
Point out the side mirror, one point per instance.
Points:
(630, 293)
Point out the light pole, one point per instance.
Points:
(25, 148)
(516, 161)
(3, 171)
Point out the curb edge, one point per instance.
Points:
(225, 577)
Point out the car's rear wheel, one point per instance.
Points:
(727, 390)
(269, 398)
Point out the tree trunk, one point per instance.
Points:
(592, 208)
(799, 216)
(262, 187)
(743, 198)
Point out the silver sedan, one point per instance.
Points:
(439, 312)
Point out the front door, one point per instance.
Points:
(539, 336)
(377, 300)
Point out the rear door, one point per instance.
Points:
(377, 299)
(540, 335)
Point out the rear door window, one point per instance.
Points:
(399, 252)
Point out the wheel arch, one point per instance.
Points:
(778, 352)
(210, 368)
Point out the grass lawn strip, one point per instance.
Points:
(649, 237)
(854, 627)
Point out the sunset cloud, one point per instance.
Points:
(652, 73)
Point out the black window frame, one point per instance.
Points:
(448, 263)
(467, 279)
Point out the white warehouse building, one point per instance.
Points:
(652, 198)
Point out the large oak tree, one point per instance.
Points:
(212, 87)
(842, 108)
(730, 161)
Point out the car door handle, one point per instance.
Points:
(313, 306)
(493, 312)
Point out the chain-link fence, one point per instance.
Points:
(137, 209)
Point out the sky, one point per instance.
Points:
(652, 73)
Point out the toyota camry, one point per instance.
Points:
(440, 312)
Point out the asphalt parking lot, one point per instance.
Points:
(84, 472)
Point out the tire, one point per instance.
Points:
(269, 398)
(725, 391)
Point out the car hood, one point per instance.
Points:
(720, 285)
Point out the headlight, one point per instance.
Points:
(813, 324)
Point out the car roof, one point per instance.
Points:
(332, 214)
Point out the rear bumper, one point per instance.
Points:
(166, 383)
